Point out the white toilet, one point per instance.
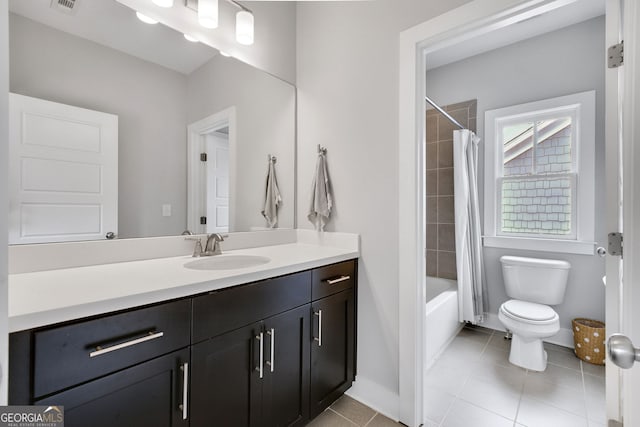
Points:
(534, 284)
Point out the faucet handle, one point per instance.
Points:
(197, 250)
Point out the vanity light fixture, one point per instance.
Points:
(208, 13)
(163, 3)
(146, 19)
(190, 38)
(244, 27)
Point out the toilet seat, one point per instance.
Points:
(529, 312)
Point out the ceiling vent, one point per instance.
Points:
(69, 7)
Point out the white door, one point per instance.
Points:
(63, 172)
(217, 183)
(623, 185)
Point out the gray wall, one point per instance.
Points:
(274, 49)
(150, 102)
(4, 197)
(566, 61)
(265, 113)
(347, 80)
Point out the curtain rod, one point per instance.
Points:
(444, 113)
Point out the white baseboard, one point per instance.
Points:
(563, 338)
(378, 398)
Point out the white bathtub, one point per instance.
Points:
(442, 323)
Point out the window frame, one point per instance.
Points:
(581, 108)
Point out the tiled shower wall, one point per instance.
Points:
(441, 255)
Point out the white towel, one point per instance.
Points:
(272, 198)
(321, 201)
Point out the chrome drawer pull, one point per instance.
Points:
(272, 333)
(260, 368)
(338, 280)
(185, 389)
(100, 351)
(319, 338)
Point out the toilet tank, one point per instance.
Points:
(543, 281)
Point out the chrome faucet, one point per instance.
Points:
(213, 245)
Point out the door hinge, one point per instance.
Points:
(615, 244)
(203, 157)
(203, 220)
(615, 55)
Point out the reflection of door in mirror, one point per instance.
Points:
(210, 164)
(217, 146)
(63, 173)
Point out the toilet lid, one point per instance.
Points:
(529, 310)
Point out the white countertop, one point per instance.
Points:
(48, 297)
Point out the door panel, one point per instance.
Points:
(630, 301)
(225, 385)
(63, 172)
(217, 183)
(286, 386)
(148, 394)
(332, 347)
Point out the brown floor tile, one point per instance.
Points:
(382, 421)
(353, 410)
(330, 419)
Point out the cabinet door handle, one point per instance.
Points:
(260, 368)
(319, 337)
(338, 280)
(100, 350)
(185, 389)
(272, 333)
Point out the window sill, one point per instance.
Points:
(543, 245)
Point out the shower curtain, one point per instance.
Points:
(469, 262)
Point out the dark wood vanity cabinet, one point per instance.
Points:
(257, 375)
(261, 369)
(274, 353)
(124, 369)
(149, 394)
(332, 352)
(333, 347)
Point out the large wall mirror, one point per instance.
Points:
(173, 100)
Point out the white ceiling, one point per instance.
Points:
(111, 24)
(573, 13)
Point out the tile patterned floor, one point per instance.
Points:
(473, 384)
(348, 412)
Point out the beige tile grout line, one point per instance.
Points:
(342, 416)
(369, 422)
(584, 394)
(457, 395)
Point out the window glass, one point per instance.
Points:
(537, 186)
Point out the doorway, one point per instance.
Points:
(211, 173)
(443, 32)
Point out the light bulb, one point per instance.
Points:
(225, 54)
(208, 13)
(244, 27)
(190, 38)
(163, 3)
(146, 19)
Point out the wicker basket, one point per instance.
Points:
(589, 338)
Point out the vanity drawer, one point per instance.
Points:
(228, 309)
(75, 353)
(333, 278)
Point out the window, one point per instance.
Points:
(539, 175)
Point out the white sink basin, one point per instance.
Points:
(227, 262)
